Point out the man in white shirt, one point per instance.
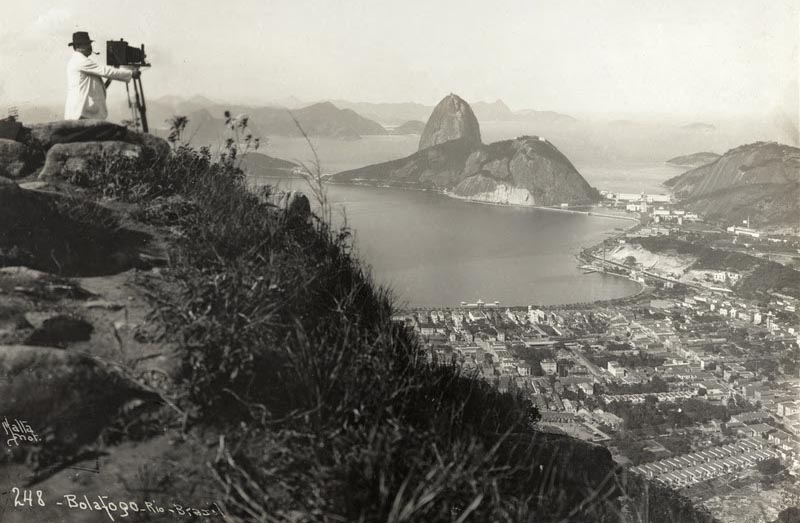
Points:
(86, 93)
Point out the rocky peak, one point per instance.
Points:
(452, 119)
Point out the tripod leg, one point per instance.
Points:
(138, 103)
(143, 106)
(134, 115)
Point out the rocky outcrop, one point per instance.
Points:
(14, 159)
(760, 181)
(294, 204)
(480, 188)
(49, 134)
(66, 158)
(65, 235)
(452, 119)
(58, 330)
(71, 145)
(151, 145)
(67, 396)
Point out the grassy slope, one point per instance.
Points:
(317, 406)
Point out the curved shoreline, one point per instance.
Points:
(641, 287)
(450, 195)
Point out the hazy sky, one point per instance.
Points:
(688, 57)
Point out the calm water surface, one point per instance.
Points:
(436, 251)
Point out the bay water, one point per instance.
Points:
(434, 251)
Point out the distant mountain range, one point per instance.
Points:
(497, 111)
(206, 119)
(338, 119)
(388, 113)
(525, 171)
(758, 181)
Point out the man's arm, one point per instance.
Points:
(91, 67)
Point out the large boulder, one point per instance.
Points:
(67, 158)
(14, 159)
(65, 397)
(155, 146)
(294, 203)
(49, 134)
(8, 185)
(452, 119)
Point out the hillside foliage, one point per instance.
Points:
(324, 409)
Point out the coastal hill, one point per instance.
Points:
(266, 165)
(322, 119)
(694, 160)
(528, 170)
(759, 181)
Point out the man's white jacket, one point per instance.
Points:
(86, 93)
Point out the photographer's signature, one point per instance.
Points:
(18, 431)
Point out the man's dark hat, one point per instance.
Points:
(80, 38)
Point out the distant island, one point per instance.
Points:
(700, 127)
(267, 165)
(694, 160)
(410, 127)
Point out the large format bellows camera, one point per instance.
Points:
(118, 53)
